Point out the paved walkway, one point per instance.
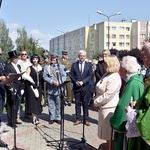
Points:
(46, 136)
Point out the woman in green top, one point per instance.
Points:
(133, 90)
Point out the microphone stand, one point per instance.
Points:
(14, 91)
(10, 81)
(61, 88)
(82, 143)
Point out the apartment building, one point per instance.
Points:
(119, 35)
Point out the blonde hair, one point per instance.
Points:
(112, 63)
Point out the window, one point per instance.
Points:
(121, 36)
(142, 36)
(113, 36)
(113, 28)
(113, 43)
(142, 28)
(106, 43)
(127, 36)
(127, 28)
(121, 28)
(127, 44)
(121, 44)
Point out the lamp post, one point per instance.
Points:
(0, 3)
(108, 18)
(64, 37)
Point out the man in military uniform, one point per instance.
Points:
(67, 63)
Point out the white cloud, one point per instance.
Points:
(42, 37)
(13, 26)
(36, 34)
(13, 35)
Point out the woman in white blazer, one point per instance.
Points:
(107, 96)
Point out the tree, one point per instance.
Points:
(5, 41)
(27, 43)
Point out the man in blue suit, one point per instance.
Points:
(81, 74)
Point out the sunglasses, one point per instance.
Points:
(23, 54)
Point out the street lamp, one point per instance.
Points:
(0, 3)
(64, 37)
(108, 17)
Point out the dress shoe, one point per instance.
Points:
(58, 121)
(3, 144)
(35, 121)
(87, 123)
(51, 122)
(17, 122)
(77, 122)
(11, 125)
(18, 119)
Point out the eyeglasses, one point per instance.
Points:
(23, 54)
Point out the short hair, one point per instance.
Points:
(107, 51)
(82, 52)
(112, 63)
(34, 56)
(130, 64)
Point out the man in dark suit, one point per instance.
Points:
(81, 74)
(13, 97)
(100, 71)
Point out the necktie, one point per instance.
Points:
(81, 67)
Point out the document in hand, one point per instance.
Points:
(12, 77)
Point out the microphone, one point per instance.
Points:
(68, 73)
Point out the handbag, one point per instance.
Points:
(131, 128)
(143, 124)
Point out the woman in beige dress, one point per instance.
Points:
(107, 96)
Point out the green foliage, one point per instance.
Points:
(23, 42)
(5, 41)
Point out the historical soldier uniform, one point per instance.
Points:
(54, 75)
(67, 63)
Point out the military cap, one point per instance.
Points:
(64, 53)
(54, 55)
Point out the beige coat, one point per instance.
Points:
(107, 97)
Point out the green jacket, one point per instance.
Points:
(133, 89)
(67, 63)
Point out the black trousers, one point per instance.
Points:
(13, 101)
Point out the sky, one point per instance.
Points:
(42, 18)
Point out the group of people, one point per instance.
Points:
(119, 87)
(27, 80)
(122, 95)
